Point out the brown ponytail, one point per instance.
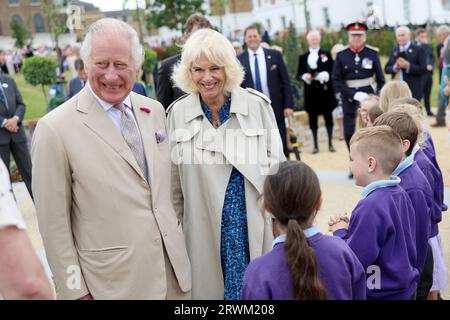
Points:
(292, 196)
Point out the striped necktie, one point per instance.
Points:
(132, 137)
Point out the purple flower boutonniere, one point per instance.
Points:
(145, 109)
(160, 136)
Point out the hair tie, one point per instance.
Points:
(295, 218)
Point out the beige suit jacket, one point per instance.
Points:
(96, 212)
(203, 160)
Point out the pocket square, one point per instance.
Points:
(273, 67)
(160, 136)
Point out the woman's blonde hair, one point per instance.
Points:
(393, 90)
(218, 50)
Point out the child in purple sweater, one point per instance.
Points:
(381, 228)
(304, 264)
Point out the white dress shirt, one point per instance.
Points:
(112, 112)
(262, 68)
(313, 58)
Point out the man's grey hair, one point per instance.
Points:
(107, 26)
(444, 29)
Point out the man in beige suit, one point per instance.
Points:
(101, 179)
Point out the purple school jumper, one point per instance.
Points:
(430, 151)
(380, 234)
(436, 182)
(268, 277)
(419, 191)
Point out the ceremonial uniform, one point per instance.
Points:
(353, 72)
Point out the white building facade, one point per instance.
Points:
(275, 15)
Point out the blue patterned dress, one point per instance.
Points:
(234, 249)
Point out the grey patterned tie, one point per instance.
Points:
(132, 137)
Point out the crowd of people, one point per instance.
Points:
(193, 196)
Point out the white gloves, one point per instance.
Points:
(305, 77)
(360, 96)
(323, 77)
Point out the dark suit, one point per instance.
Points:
(428, 76)
(75, 85)
(319, 98)
(139, 88)
(418, 67)
(166, 91)
(15, 143)
(279, 87)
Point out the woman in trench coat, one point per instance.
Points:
(223, 139)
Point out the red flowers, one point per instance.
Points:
(145, 109)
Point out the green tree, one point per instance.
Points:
(39, 71)
(57, 20)
(19, 33)
(307, 14)
(172, 14)
(292, 51)
(148, 66)
(291, 55)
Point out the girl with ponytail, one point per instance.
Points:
(303, 264)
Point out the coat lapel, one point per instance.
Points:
(99, 122)
(251, 127)
(248, 73)
(210, 139)
(147, 130)
(269, 61)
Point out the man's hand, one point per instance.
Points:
(11, 125)
(87, 297)
(288, 112)
(430, 67)
(446, 91)
(307, 77)
(403, 63)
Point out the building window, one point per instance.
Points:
(38, 23)
(34, 2)
(1, 32)
(13, 2)
(283, 22)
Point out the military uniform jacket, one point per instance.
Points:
(357, 66)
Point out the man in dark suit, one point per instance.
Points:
(266, 72)
(12, 135)
(76, 84)
(166, 91)
(408, 62)
(423, 42)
